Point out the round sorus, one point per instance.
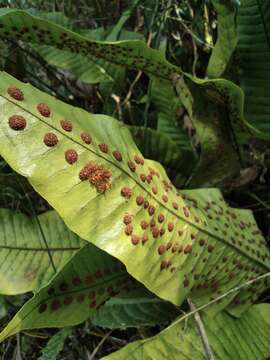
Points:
(146, 204)
(42, 308)
(138, 160)
(16, 93)
(117, 155)
(135, 239)
(71, 156)
(144, 238)
(139, 200)
(168, 245)
(154, 190)
(170, 226)
(155, 231)
(55, 305)
(128, 229)
(163, 264)
(188, 249)
(151, 210)
(174, 248)
(86, 138)
(17, 122)
(44, 110)
(175, 205)
(161, 218)
(131, 166)
(103, 148)
(161, 249)
(85, 173)
(50, 139)
(165, 198)
(186, 283)
(210, 248)
(143, 177)
(162, 231)
(126, 192)
(127, 219)
(186, 212)
(201, 242)
(66, 125)
(144, 224)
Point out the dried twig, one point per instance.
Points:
(202, 332)
(92, 356)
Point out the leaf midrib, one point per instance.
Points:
(22, 248)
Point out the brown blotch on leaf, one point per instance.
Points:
(55, 305)
(131, 166)
(127, 219)
(117, 155)
(42, 308)
(50, 139)
(66, 125)
(50, 291)
(63, 286)
(174, 248)
(155, 231)
(68, 300)
(76, 281)
(71, 156)
(186, 283)
(17, 122)
(103, 148)
(143, 177)
(170, 226)
(144, 238)
(128, 229)
(16, 93)
(126, 192)
(98, 176)
(151, 210)
(135, 239)
(139, 200)
(86, 138)
(144, 224)
(188, 249)
(137, 159)
(163, 265)
(93, 304)
(186, 212)
(201, 242)
(175, 205)
(161, 218)
(44, 110)
(210, 248)
(80, 298)
(165, 198)
(161, 249)
(146, 204)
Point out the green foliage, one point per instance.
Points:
(227, 39)
(199, 229)
(243, 339)
(31, 248)
(181, 244)
(89, 279)
(55, 345)
(253, 51)
(136, 311)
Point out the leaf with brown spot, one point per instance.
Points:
(98, 216)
